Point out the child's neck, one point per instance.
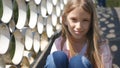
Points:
(78, 42)
(77, 45)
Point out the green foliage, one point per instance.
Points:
(113, 3)
(15, 11)
(1, 8)
(12, 47)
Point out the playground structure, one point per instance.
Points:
(29, 27)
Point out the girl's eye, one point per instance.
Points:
(86, 20)
(74, 19)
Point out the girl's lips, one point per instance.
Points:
(77, 32)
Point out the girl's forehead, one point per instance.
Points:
(79, 11)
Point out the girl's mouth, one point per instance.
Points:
(78, 32)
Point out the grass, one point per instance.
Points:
(1, 9)
(113, 3)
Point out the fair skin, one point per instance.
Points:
(78, 22)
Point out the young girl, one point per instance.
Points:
(80, 45)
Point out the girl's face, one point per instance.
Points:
(78, 22)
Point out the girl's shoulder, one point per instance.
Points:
(103, 41)
(105, 52)
(57, 44)
(104, 45)
(58, 40)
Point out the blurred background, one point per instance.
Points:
(27, 28)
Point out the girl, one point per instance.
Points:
(80, 45)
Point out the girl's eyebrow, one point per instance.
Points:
(86, 18)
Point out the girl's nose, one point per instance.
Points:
(78, 25)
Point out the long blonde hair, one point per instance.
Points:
(92, 34)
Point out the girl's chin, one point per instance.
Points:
(78, 37)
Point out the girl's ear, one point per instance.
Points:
(64, 21)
